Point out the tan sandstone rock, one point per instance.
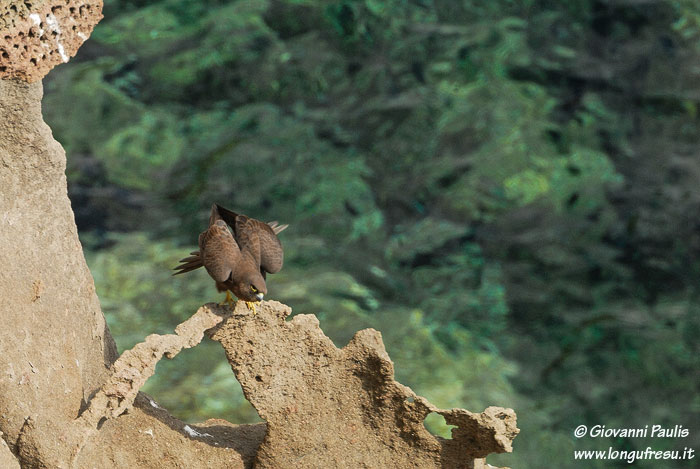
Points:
(55, 349)
(329, 407)
(54, 343)
(7, 459)
(38, 35)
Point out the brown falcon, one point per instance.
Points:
(237, 259)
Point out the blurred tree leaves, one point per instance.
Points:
(507, 190)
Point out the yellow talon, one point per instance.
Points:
(251, 306)
(228, 301)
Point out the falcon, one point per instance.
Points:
(238, 252)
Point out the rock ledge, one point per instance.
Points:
(330, 407)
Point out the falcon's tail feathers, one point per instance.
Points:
(189, 263)
(276, 227)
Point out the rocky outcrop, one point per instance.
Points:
(330, 407)
(61, 390)
(38, 35)
(324, 406)
(54, 344)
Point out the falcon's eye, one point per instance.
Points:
(255, 290)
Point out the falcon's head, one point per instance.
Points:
(251, 288)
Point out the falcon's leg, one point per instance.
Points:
(229, 300)
(251, 306)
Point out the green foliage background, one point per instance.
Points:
(507, 190)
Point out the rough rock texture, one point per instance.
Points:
(38, 35)
(147, 437)
(131, 370)
(53, 344)
(128, 374)
(7, 459)
(330, 407)
(55, 348)
(122, 427)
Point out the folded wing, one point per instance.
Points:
(258, 238)
(218, 251)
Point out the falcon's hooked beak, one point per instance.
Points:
(259, 296)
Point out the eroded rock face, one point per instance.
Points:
(147, 437)
(62, 395)
(37, 35)
(330, 407)
(54, 345)
(7, 459)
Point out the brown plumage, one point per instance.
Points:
(240, 258)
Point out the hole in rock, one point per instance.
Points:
(198, 384)
(140, 298)
(500, 460)
(435, 424)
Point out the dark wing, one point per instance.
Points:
(219, 252)
(259, 238)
